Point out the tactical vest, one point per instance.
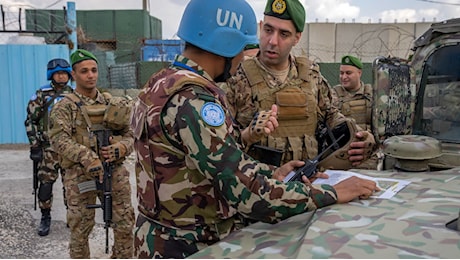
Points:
(356, 107)
(162, 166)
(297, 109)
(86, 120)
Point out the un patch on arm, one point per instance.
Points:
(212, 114)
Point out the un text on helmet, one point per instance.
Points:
(230, 19)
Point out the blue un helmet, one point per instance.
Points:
(222, 27)
(56, 65)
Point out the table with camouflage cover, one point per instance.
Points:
(412, 224)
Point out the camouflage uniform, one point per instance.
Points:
(194, 183)
(37, 124)
(357, 105)
(76, 154)
(303, 100)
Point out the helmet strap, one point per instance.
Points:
(58, 84)
(226, 74)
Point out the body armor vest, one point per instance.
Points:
(162, 164)
(87, 120)
(357, 107)
(297, 110)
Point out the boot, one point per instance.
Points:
(45, 222)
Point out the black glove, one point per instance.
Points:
(36, 153)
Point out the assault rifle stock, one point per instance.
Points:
(309, 168)
(106, 186)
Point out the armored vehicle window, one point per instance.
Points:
(440, 88)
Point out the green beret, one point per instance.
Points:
(81, 55)
(352, 61)
(287, 10)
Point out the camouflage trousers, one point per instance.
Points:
(152, 240)
(81, 220)
(48, 173)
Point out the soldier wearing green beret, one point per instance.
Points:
(296, 86)
(92, 143)
(195, 184)
(353, 98)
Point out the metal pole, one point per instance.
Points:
(72, 25)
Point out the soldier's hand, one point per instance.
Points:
(36, 153)
(96, 169)
(114, 151)
(361, 149)
(355, 187)
(282, 171)
(264, 123)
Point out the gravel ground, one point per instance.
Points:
(19, 221)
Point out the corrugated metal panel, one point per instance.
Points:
(23, 71)
(161, 50)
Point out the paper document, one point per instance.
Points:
(389, 187)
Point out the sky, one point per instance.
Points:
(359, 11)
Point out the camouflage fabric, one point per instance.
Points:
(412, 224)
(48, 172)
(194, 183)
(245, 99)
(394, 98)
(358, 105)
(350, 105)
(79, 218)
(36, 124)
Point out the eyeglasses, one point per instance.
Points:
(58, 62)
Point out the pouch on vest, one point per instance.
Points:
(291, 105)
(118, 113)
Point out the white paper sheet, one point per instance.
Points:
(389, 187)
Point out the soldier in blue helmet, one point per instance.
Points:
(37, 124)
(195, 184)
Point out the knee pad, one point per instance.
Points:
(45, 192)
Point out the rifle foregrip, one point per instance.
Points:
(108, 208)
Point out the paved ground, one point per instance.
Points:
(19, 220)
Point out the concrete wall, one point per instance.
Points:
(328, 42)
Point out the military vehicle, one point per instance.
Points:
(416, 121)
(420, 98)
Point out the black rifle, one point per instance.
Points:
(36, 155)
(35, 183)
(106, 186)
(309, 169)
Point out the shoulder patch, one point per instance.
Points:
(212, 114)
(33, 97)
